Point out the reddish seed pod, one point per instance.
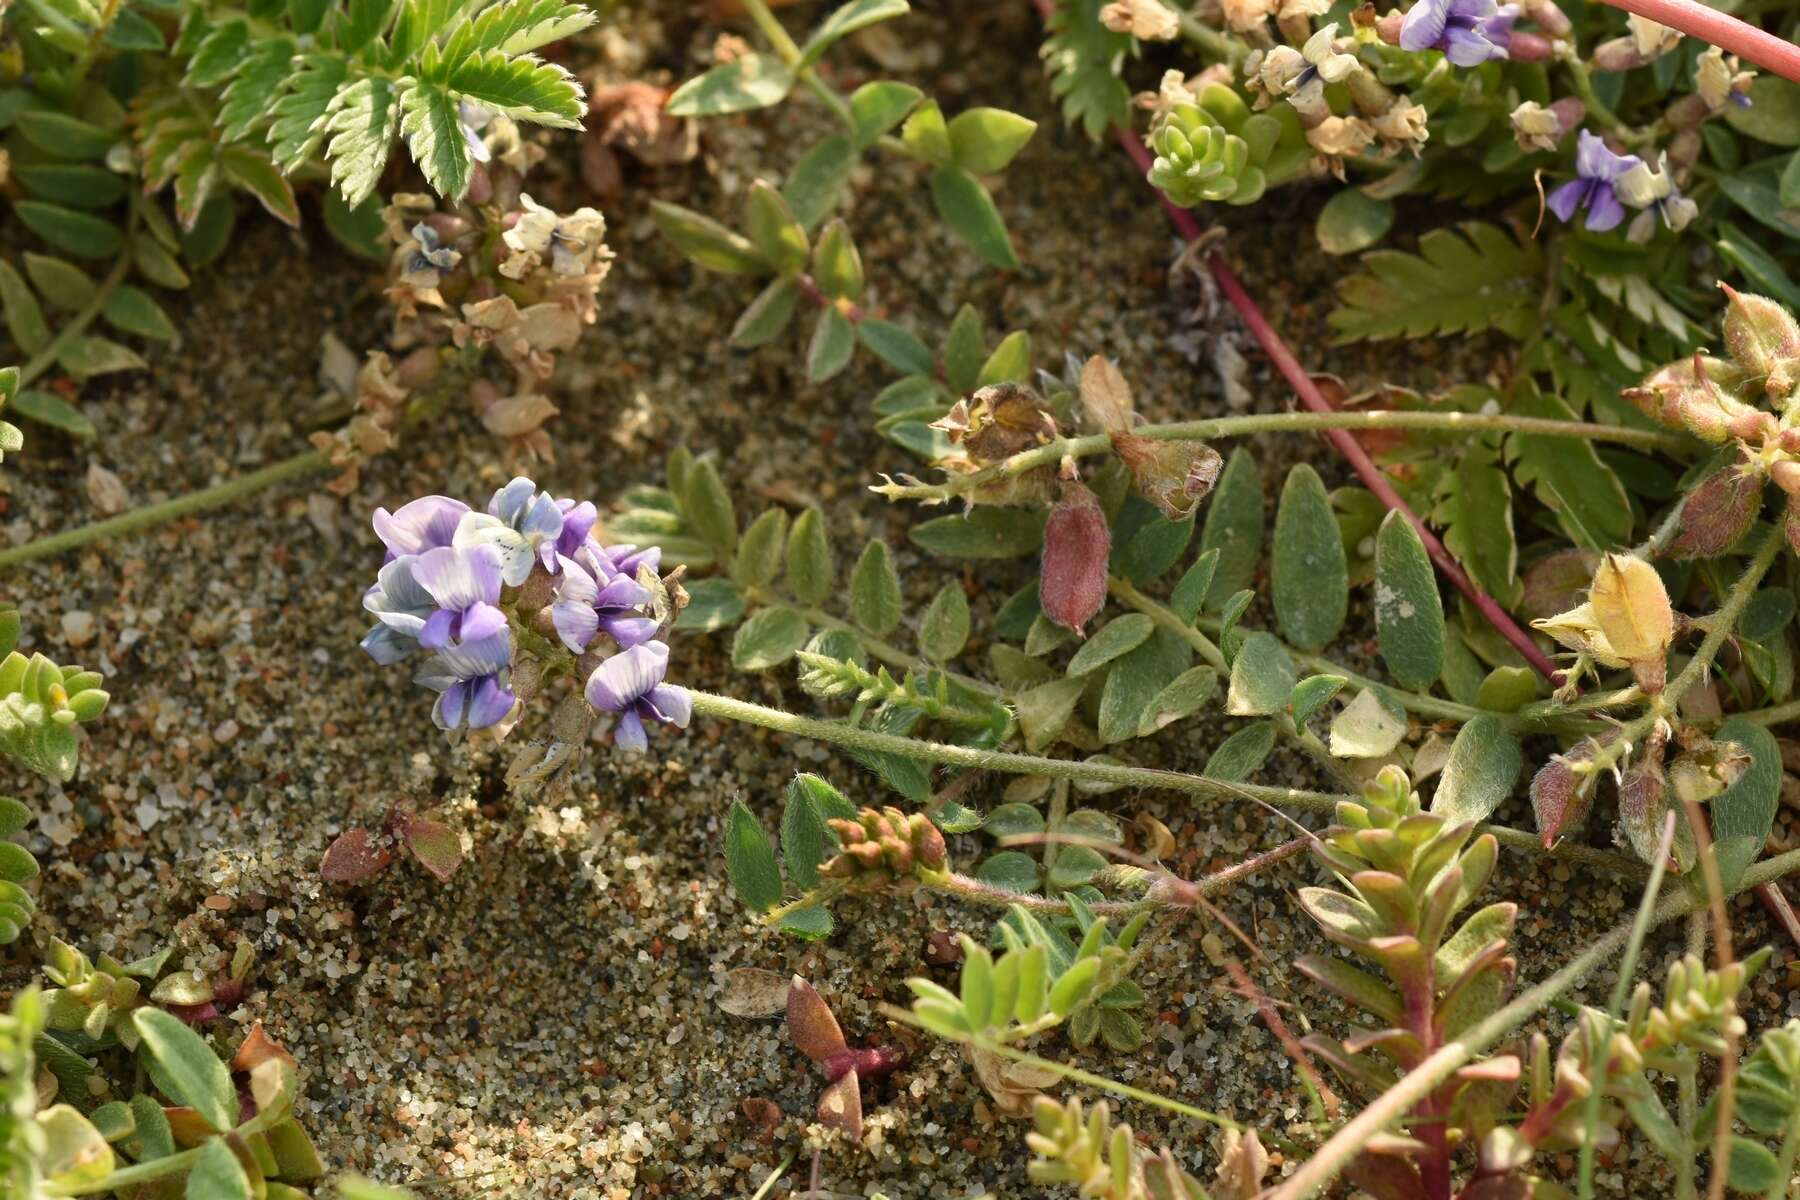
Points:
(1528, 47)
(1718, 513)
(1077, 543)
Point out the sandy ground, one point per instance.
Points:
(546, 1024)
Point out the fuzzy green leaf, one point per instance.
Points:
(1234, 527)
(1484, 763)
(944, 629)
(966, 207)
(77, 233)
(833, 342)
(131, 310)
(875, 590)
(768, 639)
(1239, 755)
(186, 1067)
(741, 85)
(750, 860)
(705, 241)
(984, 140)
(810, 571)
(1121, 635)
(817, 181)
(1309, 579)
(846, 20)
(434, 137)
(24, 316)
(364, 119)
(986, 532)
(1409, 613)
(877, 107)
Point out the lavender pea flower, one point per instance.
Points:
(401, 606)
(420, 525)
(628, 558)
(593, 596)
(470, 681)
(1595, 186)
(630, 684)
(464, 583)
(523, 523)
(1469, 32)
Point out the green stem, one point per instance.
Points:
(1052, 453)
(1420, 1082)
(726, 708)
(44, 359)
(180, 506)
(789, 50)
(1597, 110)
(1221, 46)
(1779, 1187)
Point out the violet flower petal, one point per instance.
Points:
(622, 679)
(1603, 209)
(1567, 198)
(674, 705)
(1424, 24)
(628, 734)
(419, 525)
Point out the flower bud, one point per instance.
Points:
(1764, 339)
(885, 847)
(1632, 609)
(1549, 18)
(1387, 28)
(1786, 474)
(1525, 46)
(1685, 395)
(1619, 54)
(1174, 476)
(1077, 543)
(1719, 512)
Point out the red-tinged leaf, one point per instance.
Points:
(1718, 512)
(187, 1127)
(1077, 543)
(811, 1027)
(193, 1014)
(840, 1106)
(354, 857)
(435, 845)
(258, 1048)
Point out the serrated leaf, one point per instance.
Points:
(810, 571)
(298, 123)
(1480, 278)
(1409, 613)
(518, 27)
(1475, 511)
(218, 54)
(1309, 579)
(741, 85)
(768, 639)
(363, 121)
(1568, 475)
(525, 88)
(261, 78)
(1484, 763)
(435, 139)
(875, 590)
(966, 207)
(1239, 755)
(750, 860)
(1084, 58)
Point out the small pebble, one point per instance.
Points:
(78, 627)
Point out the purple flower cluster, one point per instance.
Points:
(443, 589)
(1595, 186)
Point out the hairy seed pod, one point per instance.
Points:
(1077, 543)
(1721, 510)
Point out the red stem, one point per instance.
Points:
(1345, 442)
(1727, 32)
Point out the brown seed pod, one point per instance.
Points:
(1077, 543)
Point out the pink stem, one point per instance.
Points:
(1342, 439)
(1722, 30)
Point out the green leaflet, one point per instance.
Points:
(1234, 527)
(1568, 476)
(1309, 580)
(1478, 279)
(1409, 614)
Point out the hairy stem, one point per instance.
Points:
(726, 708)
(1418, 1083)
(219, 494)
(1052, 453)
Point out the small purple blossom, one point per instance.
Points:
(628, 558)
(464, 583)
(593, 596)
(630, 684)
(401, 607)
(470, 679)
(1597, 173)
(1469, 32)
(420, 525)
